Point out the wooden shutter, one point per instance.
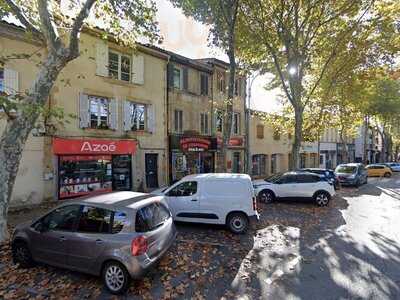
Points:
(260, 131)
(11, 83)
(170, 75)
(127, 116)
(113, 113)
(84, 115)
(151, 118)
(138, 69)
(185, 79)
(206, 84)
(102, 58)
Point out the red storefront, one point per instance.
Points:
(90, 166)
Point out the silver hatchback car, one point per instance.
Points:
(118, 236)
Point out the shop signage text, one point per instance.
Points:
(233, 142)
(88, 146)
(193, 144)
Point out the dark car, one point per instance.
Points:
(326, 173)
(354, 174)
(117, 236)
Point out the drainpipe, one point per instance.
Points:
(168, 170)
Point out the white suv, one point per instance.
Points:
(294, 185)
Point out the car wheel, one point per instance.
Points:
(322, 198)
(387, 175)
(266, 196)
(21, 254)
(237, 223)
(116, 278)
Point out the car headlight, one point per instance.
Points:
(352, 176)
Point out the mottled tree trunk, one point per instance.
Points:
(298, 137)
(16, 132)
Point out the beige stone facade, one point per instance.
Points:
(104, 110)
(269, 151)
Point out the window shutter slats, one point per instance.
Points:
(185, 79)
(102, 58)
(151, 119)
(113, 113)
(127, 116)
(138, 69)
(170, 75)
(11, 82)
(84, 117)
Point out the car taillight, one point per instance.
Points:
(254, 203)
(139, 246)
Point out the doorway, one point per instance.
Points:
(122, 172)
(151, 162)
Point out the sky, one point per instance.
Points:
(187, 37)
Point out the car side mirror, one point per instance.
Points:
(40, 227)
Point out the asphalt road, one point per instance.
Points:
(349, 250)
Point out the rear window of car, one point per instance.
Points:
(346, 169)
(151, 217)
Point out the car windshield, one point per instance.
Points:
(273, 178)
(346, 169)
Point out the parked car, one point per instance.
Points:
(294, 185)
(353, 174)
(394, 166)
(327, 173)
(215, 198)
(118, 236)
(379, 170)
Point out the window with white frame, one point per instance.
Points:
(119, 66)
(178, 121)
(1, 80)
(138, 116)
(177, 78)
(236, 123)
(204, 123)
(99, 112)
(219, 120)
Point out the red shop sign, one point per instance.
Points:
(234, 142)
(194, 144)
(89, 146)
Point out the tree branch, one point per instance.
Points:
(77, 26)
(49, 30)
(17, 12)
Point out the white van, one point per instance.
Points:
(215, 198)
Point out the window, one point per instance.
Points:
(260, 131)
(273, 163)
(236, 123)
(177, 78)
(219, 120)
(259, 163)
(236, 162)
(276, 135)
(1, 80)
(95, 220)
(287, 179)
(178, 121)
(204, 123)
(120, 220)
(221, 85)
(99, 108)
(119, 66)
(307, 178)
(138, 116)
(151, 217)
(63, 218)
(204, 84)
(184, 189)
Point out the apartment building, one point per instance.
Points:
(269, 150)
(373, 146)
(197, 91)
(118, 139)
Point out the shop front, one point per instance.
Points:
(235, 155)
(191, 155)
(87, 166)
